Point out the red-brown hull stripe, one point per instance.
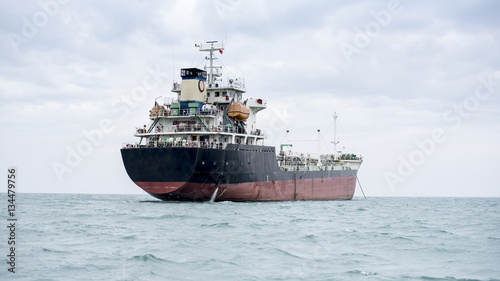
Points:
(339, 188)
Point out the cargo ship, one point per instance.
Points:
(205, 145)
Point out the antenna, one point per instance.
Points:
(173, 66)
(319, 154)
(335, 141)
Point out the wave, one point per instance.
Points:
(357, 254)
(309, 237)
(289, 254)
(403, 238)
(218, 225)
(127, 237)
(148, 258)
(301, 220)
(446, 278)
(47, 250)
(164, 216)
(360, 272)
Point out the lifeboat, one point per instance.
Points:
(154, 112)
(157, 111)
(238, 111)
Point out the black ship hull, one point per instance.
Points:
(236, 173)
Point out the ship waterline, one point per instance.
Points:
(285, 190)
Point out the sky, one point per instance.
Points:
(415, 85)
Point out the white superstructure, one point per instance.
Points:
(209, 110)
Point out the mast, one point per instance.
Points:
(335, 141)
(210, 47)
(319, 153)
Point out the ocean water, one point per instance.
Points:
(135, 237)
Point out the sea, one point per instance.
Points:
(136, 237)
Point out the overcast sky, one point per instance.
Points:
(415, 85)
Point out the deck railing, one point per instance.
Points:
(235, 84)
(183, 112)
(182, 143)
(199, 128)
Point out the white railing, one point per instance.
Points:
(237, 84)
(199, 128)
(305, 168)
(184, 112)
(300, 162)
(177, 143)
